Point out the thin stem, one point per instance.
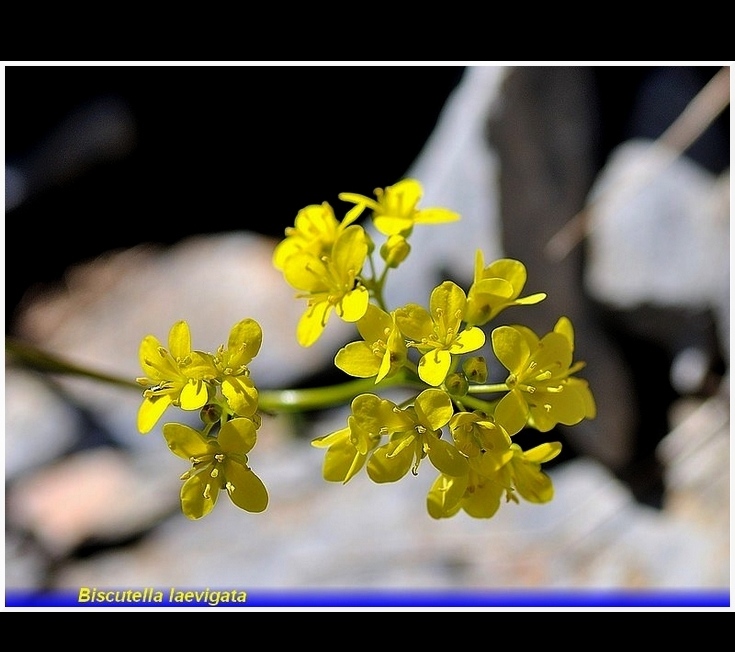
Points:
(475, 403)
(487, 389)
(270, 401)
(316, 398)
(35, 358)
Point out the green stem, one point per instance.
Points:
(487, 389)
(475, 403)
(316, 398)
(35, 358)
(275, 400)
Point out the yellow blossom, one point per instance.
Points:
(232, 363)
(438, 333)
(314, 232)
(218, 463)
(542, 391)
(348, 449)
(330, 283)
(523, 473)
(480, 490)
(396, 210)
(495, 288)
(382, 351)
(174, 376)
(415, 432)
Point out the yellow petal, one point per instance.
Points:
(532, 483)
(512, 412)
(468, 340)
(246, 490)
(484, 501)
(393, 224)
(150, 411)
(199, 494)
(433, 408)
(434, 366)
(342, 461)
(350, 250)
(509, 269)
(357, 359)
(414, 321)
(237, 437)
(193, 395)
(543, 452)
(312, 323)
(374, 323)
(510, 348)
(435, 216)
(246, 338)
(186, 442)
(446, 458)
(179, 340)
(354, 304)
(443, 499)
(386, 465)
(241, 395)
(156, 361)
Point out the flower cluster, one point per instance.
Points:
(454, 415)
(450, 418)
(219, 386)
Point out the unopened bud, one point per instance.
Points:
(395, 250)
(456, 384)
(475, 369)
(210, 413)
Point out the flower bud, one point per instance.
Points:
(210, 413)
(456, 384)
(395, 250)
(475, 369)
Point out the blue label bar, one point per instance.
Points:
(241, 597)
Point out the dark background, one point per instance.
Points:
(199, 149)
(118, 155)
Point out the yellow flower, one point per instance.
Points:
(314, 232)
(382, 351)
(480, 490)
(415, 433)
(477, 436)
(174, 376)
(396, 210)
(232, 362)
(523, 473)
(348, 449)
(218, 463)
(495, 288)
(476, 493)
(330, 282)
(438, 334)
(542, 391)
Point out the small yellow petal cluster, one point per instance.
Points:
(460, 413)
(329, 280)
(543, 391)
(478, 463)
(219, 386)
(395, 209)
(437, 351)
(323, 258)
(495, 288)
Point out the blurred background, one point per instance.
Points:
(148, 194)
